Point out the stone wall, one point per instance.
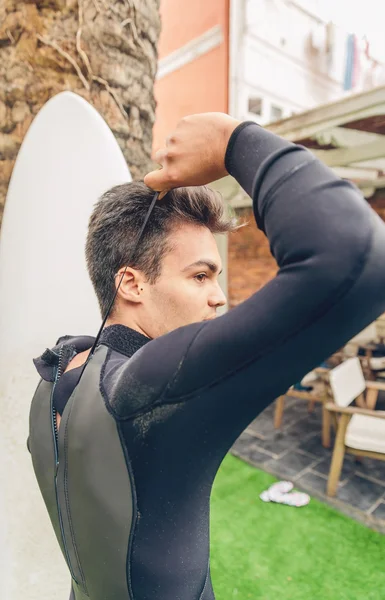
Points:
(104, 50)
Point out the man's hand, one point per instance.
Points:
(194, 153)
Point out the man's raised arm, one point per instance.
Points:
(328, 243)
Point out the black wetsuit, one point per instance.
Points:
(183, 399)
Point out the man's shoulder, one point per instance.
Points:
(122, 390)
(134, 383)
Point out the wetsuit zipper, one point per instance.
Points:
(55, 433)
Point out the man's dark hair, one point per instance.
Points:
(116, 221)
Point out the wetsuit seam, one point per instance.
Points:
(67, 501)
(102, 389)
(131, 537)
(172, 380)
(340, 292)
(101, 377)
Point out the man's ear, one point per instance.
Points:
(131, 284)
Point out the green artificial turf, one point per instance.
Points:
(267, 551)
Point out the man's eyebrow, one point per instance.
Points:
(204, 263)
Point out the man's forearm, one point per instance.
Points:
(249, 146)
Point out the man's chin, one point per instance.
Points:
(187, 323)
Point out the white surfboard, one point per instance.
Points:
(68, 158)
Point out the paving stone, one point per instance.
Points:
(298, 446)
(299, 418)
(294, 407)
(313, 445)
(303, 427)
(290, 464)
(278, 443)
(263, 425)
(360, 492)
(243, 443)
(372, 468)
(379, 513)
(257, 457)
(348, 469)
(310, 481)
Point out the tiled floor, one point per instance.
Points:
(296, 453)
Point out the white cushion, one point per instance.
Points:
(377, 363)
(347, 381)
(366, 433)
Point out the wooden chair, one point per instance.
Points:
(319, 393)
(367, 340)
(361, 429)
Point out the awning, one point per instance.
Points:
(348, 135)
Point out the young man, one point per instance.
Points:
(127, 473)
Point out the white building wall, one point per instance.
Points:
(285, 55)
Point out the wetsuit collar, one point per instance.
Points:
(117, 337)
(123, 339)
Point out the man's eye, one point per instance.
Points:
(201, 277)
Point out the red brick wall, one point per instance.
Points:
(378, 203)
(250, 264)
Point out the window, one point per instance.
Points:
(276, 113)
(255, 105)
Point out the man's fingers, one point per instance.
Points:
(160, 156)
(156, 180)
(163, 179)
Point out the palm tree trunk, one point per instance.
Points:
(104, 50)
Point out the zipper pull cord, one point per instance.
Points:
(151, 208)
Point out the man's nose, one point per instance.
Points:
(217, 298)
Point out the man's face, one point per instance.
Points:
(187, 291)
